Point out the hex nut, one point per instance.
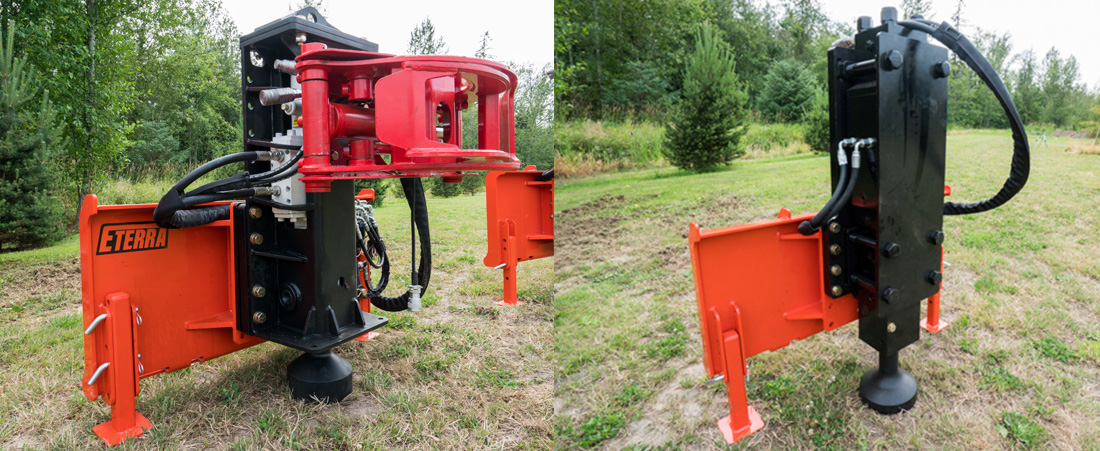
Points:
(934, 277)
(893, 60)
(891, 250)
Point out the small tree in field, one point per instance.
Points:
(710, 119)
(788, 92)
(29, 209)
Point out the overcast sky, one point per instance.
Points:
(1033, 24)
(521, 31)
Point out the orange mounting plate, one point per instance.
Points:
(179, 289)
(520, 222)
(758, 287)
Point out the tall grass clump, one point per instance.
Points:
(588, 146)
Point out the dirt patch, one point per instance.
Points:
(19, 282)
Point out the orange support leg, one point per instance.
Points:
(743, 419)
(508, 234)
(121, 374)
(932, 322)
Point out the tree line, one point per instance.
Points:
(628, 58)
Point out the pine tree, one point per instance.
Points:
(30, 214)
(710, 119)
(439, 188)
(788, 92)
(423, 40)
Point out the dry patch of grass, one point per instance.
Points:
(1017, 368)
(461, 374)
(1083, 148)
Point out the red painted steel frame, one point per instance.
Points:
(520, 220)
(411, 111)
(758, 287)
(169, 297)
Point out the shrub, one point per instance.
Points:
(710, 118)
(788, 92)
(815, 123)
(439, 188)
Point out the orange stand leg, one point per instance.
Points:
(932, 322)
(121, 374)
(743, 419)
(364, 305)
(511, 297)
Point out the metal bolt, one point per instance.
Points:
(934, 277)
(889, 293)
(834, 249)
(891, 328)
(935, 237)
(837, 291)
(300, 38)
(256, 238)
(863, 23)
(891, 250)
(836, 270)
(255, 212)
(335, 155)
(259, 317)
(258, 290)
(893, 60)
(834, 227)
(941, 69)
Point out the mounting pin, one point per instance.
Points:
(259, 317)
(836, 270)
(255, 212)
(258, 290)
(834, 227)
(256, 239)
(835, 249)
(837, 291)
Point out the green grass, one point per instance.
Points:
(1021, 294)
(412, 384)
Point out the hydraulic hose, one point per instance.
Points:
(851, 186)
(1021, 164)
(414, 195)
(809, 227)
(166, 213)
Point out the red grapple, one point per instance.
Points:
(407, 108)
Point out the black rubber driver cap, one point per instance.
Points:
(888, 393)
(324, 377)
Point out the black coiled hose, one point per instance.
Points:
(1021, 159)
(414, 195)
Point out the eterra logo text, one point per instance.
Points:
(142, 236)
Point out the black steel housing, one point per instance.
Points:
(886, 87)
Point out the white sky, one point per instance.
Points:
(521, 31)
(1037, 25)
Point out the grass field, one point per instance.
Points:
(1019, 367)
(460, 374)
